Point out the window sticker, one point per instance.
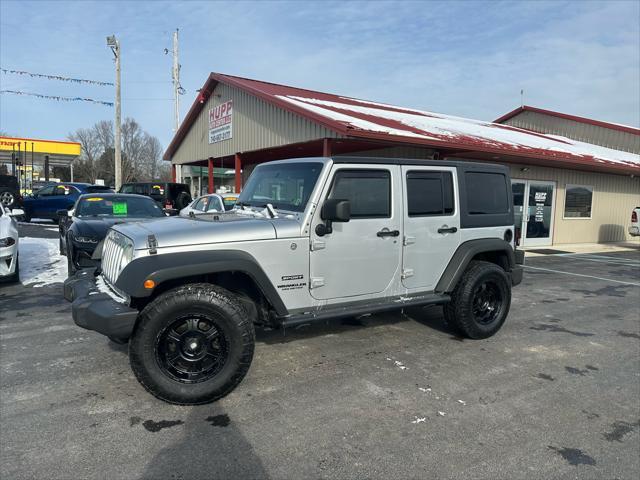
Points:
(119, 208)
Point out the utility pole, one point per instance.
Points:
(114, 43)
(175, 75)
(176, 81)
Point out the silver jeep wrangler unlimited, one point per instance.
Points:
(309, 239)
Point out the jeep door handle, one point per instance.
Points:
(445, 229)
(388, 233)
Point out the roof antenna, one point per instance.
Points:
(521, 97)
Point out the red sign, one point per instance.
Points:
(221, 115)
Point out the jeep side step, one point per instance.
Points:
(354, 309)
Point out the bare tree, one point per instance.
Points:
(87, 167)
(141, 153)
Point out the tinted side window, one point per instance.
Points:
(127, 189)
(429, 193)
(486, 193)
(46, 191)
(368, 191)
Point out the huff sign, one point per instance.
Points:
(221, 122)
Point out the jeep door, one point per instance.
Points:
(431, 224)
(361, 256)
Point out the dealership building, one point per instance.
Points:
(574, 180)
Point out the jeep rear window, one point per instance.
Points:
(487, 193)
(285, 186)
(429, 193)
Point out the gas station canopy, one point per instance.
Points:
(31, 159)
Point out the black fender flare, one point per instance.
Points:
(463, 256)
(163, 267)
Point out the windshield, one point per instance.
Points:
(285, 186)
(118, 207)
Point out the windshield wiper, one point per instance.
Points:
(271, 210)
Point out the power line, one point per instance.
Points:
(58, 98)
(56, 77)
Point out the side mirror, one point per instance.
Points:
(336, 210)
(62, 213)
(333, 210)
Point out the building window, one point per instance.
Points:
(368, 192)
(429, 193)
(577, 201)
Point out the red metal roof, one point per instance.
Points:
(360, 119)
(566, 116)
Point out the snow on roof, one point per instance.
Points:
(361, 119)
(403, 122)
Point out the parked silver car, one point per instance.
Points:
(210, 203)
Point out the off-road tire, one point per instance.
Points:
(459, 313)
(197, 299)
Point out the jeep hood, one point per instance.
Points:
(205, 229)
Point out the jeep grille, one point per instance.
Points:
(116, 253)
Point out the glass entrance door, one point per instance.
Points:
(533, 203)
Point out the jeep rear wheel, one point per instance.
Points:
(192, 345)
(480, 302)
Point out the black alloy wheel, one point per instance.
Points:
(487, 301)
(192, 349)
(7, 198)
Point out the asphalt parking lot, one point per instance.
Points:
(555, 394)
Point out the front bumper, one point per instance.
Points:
(94, 310)
(8, 260)
(634, 231)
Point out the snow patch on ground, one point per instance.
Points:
(40, 262)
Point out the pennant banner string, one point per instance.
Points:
(57, 77)
(58, 98)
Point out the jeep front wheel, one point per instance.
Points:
(480, 302)
(192, 345)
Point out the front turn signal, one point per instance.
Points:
(149, 284)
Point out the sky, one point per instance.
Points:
(464, 58)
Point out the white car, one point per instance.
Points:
(9, 270)
(634, 228)
(210, 203)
